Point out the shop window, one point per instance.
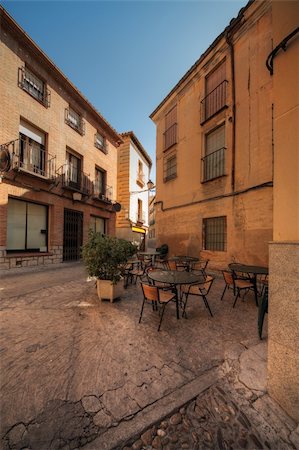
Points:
(27, 228)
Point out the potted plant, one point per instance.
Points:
(105, 258)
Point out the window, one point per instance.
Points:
(215, 91)
(140, 174)
(32, 154)
(98, 224)
(73, 171)
(214, 234)
(140, 215)
(26, 226)
(74, 120)
(100, 142)
(214, 159)
(170, 165)
(170, 134)
(34, 86)
(100, 183)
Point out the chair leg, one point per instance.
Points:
(141, 312)
(223, 292)
(236, 298)
(184, 314)
(163, 309)
(207, 304)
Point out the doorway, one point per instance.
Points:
(72, 234)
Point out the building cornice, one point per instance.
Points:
(135, 140)
(233, 25)
(7, 22)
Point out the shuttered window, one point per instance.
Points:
(214, 159)
(170, 134)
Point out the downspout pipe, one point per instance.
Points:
(228, 38)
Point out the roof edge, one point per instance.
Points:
(42, 55)
(228, 28)
(136, 141)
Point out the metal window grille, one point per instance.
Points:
(170, 168)
(74, 120)
(100, 142)
(32, 84)
(213, 163)
(214, 101)
(215, 234)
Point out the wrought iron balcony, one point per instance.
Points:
(74, 179)
(213, 165)
(31, 157)
(214, 102)
(103, 193)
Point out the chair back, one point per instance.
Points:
(228, 277)
(171, 265)
(150, 292)
(206, 286)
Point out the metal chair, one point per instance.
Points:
(241, 284)
(229, 281)
(263, 309)
(157, 297)
(199, 289)
(200, 265)
(171, 265)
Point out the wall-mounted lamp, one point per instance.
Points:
(150, 185)
(77, 196)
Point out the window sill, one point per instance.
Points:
(170, 147)
(212, 179)
(205, 120)
(11, 254)
(172, 177)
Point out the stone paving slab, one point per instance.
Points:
(74, 370)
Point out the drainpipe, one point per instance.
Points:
(233, 118)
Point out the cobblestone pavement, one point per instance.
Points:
(79, 373)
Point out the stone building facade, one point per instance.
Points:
(58, 158)
(132, 192)
(215, 149)
(283, 328)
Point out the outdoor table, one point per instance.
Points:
(151, 253)
(175, 278)
(251, 270)
(185, 261)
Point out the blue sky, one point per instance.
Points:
(124, 56)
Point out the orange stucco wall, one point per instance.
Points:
(245, 198)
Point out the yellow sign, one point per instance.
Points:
(138, 230)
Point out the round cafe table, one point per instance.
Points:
(184, 261)
(253, 271)
(175, 278)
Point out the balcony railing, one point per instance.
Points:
(104, 193)
(34, 86)
(75, 121)
(213, 165)
(31, 158)
(170, 136)
(74, 179)
(214, 102)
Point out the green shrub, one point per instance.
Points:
(105, 256)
